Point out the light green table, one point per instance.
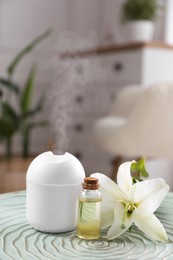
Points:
(19, 241)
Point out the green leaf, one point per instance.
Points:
(30, 125)
(9, 122)
(11, 68)
(35, 110)
(7, 128)
(10, 85)
(40, 103)
(9, 111)
(37, 124)
(27, 92)
(138, 169)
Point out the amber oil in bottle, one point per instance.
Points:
(89, 211)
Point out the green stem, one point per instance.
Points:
(25, 144)
(8, 148)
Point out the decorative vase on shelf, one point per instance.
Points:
(138, 18)
(139, 31)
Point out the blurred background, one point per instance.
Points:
(63, 66)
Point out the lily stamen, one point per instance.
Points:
(129, 207)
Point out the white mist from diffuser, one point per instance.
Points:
(53, 189)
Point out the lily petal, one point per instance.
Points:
(107, 217)
(110, 193)
(124, 178)
(150, 225)
(107, 198)
(107, 212)
(149, 194)
(116, 229)
(109, 187)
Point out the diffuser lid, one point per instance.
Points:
(50, 169)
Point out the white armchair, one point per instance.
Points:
(140, 124)
(125, 100)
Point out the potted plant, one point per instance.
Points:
(138, 16)
(21, 118)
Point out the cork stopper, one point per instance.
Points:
(90, 183)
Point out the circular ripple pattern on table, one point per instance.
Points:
(19, 241)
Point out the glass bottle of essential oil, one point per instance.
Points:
(89, 211)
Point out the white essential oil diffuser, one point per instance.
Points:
(53, 189)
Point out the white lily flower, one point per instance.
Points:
(128, 203)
